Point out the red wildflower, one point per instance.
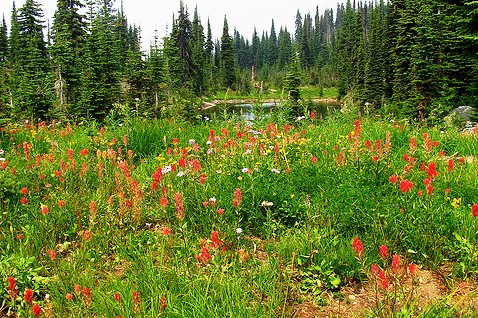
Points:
(419, 193)
(412, 269)
(125, 140)
(24, 191)
(393, 179)
(237, 197)
(204, 257)
(202, 178)
(375, 158)
(69, 296)
(36, 309)
(87, 235)
(61, 203)
(405, 185)
(474, 210)
(163, 304)
(383, 280)
(179, 206)
(358, 247)
(87, 295)
(451, 165)
(413, 145)
(216, 242)
(52, 254)
(44, 209)
(28, 296)
(405, 157)
(429, 189)
(396, 262)
(314, 159)
(312, 115)
(220, 211)
(205, 204)
(117, 297)
(427, 181)
(84, 152)
(166, 231)
(77, 289)
(375, 270)
(461, 160)
(432, 170)
(163, 201)
(383, 251)
(136, 300)
(24, 200)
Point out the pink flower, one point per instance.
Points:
(52, 254)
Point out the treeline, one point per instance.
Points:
(410, 57)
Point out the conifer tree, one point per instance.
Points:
(32, 97)
(227, 57)
(273, 49)
(68, 36)
(285, 49)
(198, 54)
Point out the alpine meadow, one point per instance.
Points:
(326, 171)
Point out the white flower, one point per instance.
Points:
(2, 159)
(300, 118)
(275, 171)
(192, 142)
(209, 142)
(271, 147)
(248, 151)
(210, 151)
(166, 169)
(267, 203)
(2, 152)
(218, 171)
(180, 173)
(238, 230)
(245, 170)
(212, 200)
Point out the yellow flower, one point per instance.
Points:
(456, 202)
(239, 178)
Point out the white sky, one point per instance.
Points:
(243, 15)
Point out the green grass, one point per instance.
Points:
(307, 190)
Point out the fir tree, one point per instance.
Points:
(227, 57)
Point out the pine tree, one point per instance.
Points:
(3, 42)
(4, 92)
(293, 82)
(227, 57)
(155, 67)
(358, 58)
(285, 49)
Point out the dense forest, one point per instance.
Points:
(412, 58)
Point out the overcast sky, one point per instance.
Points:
(243, 15)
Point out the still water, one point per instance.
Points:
(258, 112)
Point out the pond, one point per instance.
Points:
(254, 112)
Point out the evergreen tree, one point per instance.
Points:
(293, 82)
(285, 49)
(155, 67)
(68, 36)
(33, 95)
(100, 79)
(374, 80)
(227, 57)
(4, 92)
(3, 42)
(358, 58)
(198, 54)
(273, 48)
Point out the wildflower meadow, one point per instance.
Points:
(227, 218)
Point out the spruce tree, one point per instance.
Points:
(227, 57)
(273, 48)
(198, 54)
(33, 95)
(68, 36)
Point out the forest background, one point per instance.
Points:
(410, 58)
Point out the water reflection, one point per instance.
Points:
(258, 112)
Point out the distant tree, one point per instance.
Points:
(227, 57)
(273, 48)
(100, 80)
(33, 95)
(68, 36)
(198, 54)
(285, 49)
